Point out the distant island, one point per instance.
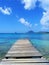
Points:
(42, 32)
(31, 32)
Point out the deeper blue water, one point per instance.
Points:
(40, 41)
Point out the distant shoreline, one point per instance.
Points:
(28, 33)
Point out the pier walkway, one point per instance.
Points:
(23, 53)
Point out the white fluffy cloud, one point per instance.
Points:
(29, 4)
(5, 10)
(23, 21)
(45, 18)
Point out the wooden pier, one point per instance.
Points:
(23, 53)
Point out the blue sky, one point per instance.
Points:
(24, 15)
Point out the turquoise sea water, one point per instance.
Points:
(40, 41)
(42, 46)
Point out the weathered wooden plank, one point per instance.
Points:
(24, 54)
(26, 60)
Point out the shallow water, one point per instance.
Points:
(42, 46)
(40, 41)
